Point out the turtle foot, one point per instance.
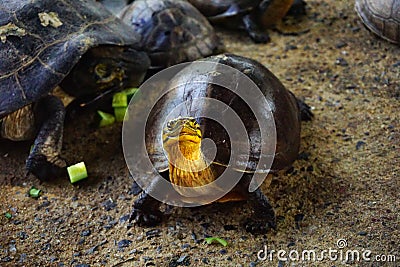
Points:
(259, 226)
(146, 218)
(44, 170)
(259, 37)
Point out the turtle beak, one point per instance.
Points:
(182, 130)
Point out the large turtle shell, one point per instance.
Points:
(224, 8)
(382, 17)
(172, 31)
(35, 58)
(230, 12)
(282, 103)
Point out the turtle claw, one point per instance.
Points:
(44, 170)
(145, 218)
(259, 226)
(259, 37)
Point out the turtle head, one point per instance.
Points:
(106, 69)
(184, 134)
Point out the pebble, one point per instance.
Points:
(183, 260)
(108, 205)
(6, 259)
(86, 233)
(205, 260)
(124, 243)
(153, 233)
(341, 62)
(360, 144)
(45, 204)
(299, 217)
(362, 233)
(340, 44)
(291, 244)
(186, 245)
(124, 218)
(229, 227)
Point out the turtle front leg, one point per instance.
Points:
(263, 217)
(264, 214)
(257, 34)
(44, 161)
(146, 209)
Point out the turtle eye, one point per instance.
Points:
(101, 70)
(169, 125)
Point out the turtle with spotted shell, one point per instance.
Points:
(76, 44)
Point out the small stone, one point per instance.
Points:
(229, 227)
(86, 233)
(205, 260)
(124, 218)
(299, 217)
(124, 243)
(291, 244)
(341, 62)
(153, 233)
(109, 205)
(340, 44)
(360, 144)
(362, 233)
(185, 246)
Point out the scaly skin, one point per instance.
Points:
(188, 168)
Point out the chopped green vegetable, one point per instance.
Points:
(106, 119)
(8, 215)
(210, 240)
(120, 100)
(130, 92)
(77, 172)
(119, 113)
(34, 192)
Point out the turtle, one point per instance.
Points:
(253, 16)
(166, 134)
(172, 31)
(77, 45)
(382, 17)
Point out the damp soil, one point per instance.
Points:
(345, 184)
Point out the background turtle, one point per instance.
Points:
(76, 44)
(382, 17)
(171, 31)
(185, 132)
(253, 16)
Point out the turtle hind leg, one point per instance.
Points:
(44, 161)
(305, 111)
(297, 9)
(264, 214)
(254, 31)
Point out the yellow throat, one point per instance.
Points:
(182, 142)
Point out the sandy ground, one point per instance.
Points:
(345, 184)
